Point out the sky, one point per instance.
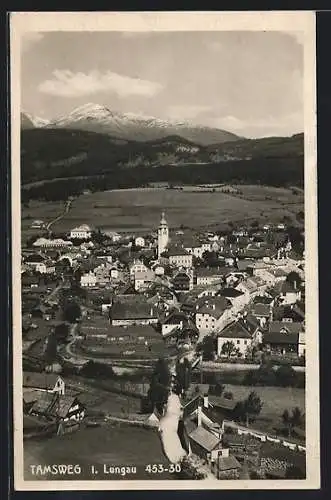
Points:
(247, 82)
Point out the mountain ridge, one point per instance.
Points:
(99, 118)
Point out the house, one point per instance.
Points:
(238, 336)
(290, 292)
(235, 297)
(173, 320)
(203, 442)
(30, 282)
(37, 224)
(112, 235)
(208, 276)
(88, 280)
(137, 266)
(179, 257)
(226, 466)
(142, 279)
(132, 312)
(262, 312)
(48, 382)
(58, 407)
(51, 243)
(82, 232)
(182, 281)
(34, 260)
(212, 314)
(139, 241)
(194, 248)
(285, 337)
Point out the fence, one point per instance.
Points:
(263, 437)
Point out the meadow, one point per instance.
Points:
(275, 401)
(138, 210)
(112, 445)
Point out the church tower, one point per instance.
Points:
(162, 236)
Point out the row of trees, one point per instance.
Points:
(275, 172)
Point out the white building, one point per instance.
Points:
(142, 279)
(82, 232)
(162, 236)
(139, 241)
(88, 280)
(213, 315)
(237, 336)
(136, 267)
(179, 257)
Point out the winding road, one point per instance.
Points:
(59, 217)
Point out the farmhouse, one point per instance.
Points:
(236, 336)
(59, 407)
(48, 382)
(285, 337)
(132, 312)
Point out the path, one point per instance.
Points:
(59, 217)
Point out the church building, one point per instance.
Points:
(162, 236)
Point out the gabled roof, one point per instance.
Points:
(222, 402)
(204, 438)
(213, 306)
(174, 251)
(262, 310)
(228, 463)
(231, 292)
(40, 380)
(290, 326)
(235, 330)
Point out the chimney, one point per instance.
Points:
(199, 416)
(224, 452)
(151, 312)
(294, 284)
(205, 401)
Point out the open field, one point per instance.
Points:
(110, 445)
(275, 401)
(139, 209)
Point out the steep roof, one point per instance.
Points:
(231, 292)
(290, 326)
(39, 380)
(132, 310)
(204, 438)
(235, 330)
(228, 463)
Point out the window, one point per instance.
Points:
(238, 341)
(245, 342)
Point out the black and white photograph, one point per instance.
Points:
(164, 234)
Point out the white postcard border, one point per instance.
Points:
(301, 22)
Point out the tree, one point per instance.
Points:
(183, 376)
(252, 407)
(71, 312)
(286, 376)
(208, 348)
(51, 349)
(228, 348)
(159, 385)
(293, 419)
(93, 369)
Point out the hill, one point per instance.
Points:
(49, 153)
(268, 147)
(72, 161)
